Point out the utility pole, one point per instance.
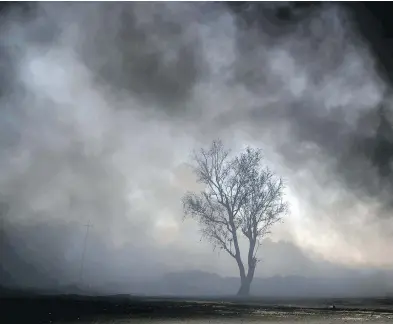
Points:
(88, 225)
(4, 208)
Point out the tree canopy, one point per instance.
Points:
(241, 197)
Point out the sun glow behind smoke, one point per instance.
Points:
(166, 230)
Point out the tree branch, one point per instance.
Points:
(239, 195)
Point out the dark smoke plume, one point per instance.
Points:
(101, 104)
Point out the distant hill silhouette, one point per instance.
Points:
(199, 283)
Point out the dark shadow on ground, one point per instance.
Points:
(33, 308)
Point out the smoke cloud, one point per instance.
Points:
(101, 104)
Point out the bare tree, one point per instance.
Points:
(240, 198)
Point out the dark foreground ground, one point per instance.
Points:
(87, 309)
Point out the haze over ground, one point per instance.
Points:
(103, 102)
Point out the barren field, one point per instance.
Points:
(124, 309)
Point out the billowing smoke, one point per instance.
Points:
(101, 104)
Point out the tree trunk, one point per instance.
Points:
(244, 289)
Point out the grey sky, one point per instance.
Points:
(106, 101)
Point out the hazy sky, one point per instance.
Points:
(103, 102)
